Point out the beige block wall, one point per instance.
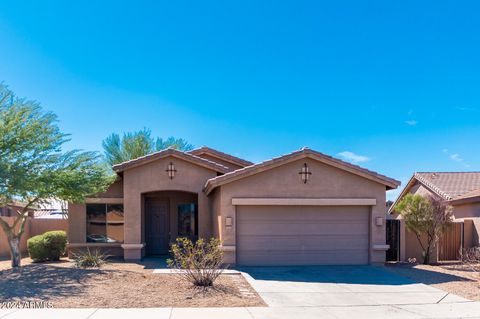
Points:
(152, 177)
(325, 182)
(39, 226)
(33, 227)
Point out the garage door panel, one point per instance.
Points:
(303, 235)
(308, 227)
(319, 242)
(294, 257)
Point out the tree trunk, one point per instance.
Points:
(14, 243)
(426, 258)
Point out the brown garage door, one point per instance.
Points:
(302, 235)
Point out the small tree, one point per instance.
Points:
(33, 168)
(425, 217)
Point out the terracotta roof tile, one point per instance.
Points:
(227, 157)
(256, 168)
(450, 185)
(166, 152)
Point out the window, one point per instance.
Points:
(187, 220)
(104, 223)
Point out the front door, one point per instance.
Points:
(157, 226)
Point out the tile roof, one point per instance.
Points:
(450, 185)
(221, 155)
(472, 194)
(304, 152)
(170, 152)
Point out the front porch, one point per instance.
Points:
(165, 215)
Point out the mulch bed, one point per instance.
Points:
(117, 285)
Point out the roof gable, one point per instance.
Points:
(220, 155)
(173, 153)
(294, 156)
(450, 186)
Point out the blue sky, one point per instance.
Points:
(392, 86)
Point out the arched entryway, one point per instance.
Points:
(166, 216)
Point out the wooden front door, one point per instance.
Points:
(157, 226)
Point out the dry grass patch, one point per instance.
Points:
(117, 285)
(454, 278)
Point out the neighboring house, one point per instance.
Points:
(459, 189)
(301, 208)
(12, 209)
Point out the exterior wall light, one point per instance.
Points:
(171, 170)
(305, 173)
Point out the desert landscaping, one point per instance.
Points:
(117, 284)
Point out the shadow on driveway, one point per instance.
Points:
(361, 274)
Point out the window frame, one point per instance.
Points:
(106, 223)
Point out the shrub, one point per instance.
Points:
(88, 259)
(471, 258)
(48, 246)
(199, 263)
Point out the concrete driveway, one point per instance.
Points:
(350, 292)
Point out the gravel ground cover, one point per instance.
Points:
(117, 285)
(455, 278)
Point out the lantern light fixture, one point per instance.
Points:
(305, 173)
(171, 170)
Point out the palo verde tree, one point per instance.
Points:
(427, 218)
(33, 167)
(136, 144)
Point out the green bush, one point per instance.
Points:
(88, 259)
(48, 246)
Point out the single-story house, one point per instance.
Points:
(303, 208)
(461, 190)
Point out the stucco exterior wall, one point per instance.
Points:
(466, 210)
(114, 191)
(77, 223)
(152, 177)
(215, 199)
(284, 182)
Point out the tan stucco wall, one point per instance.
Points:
(114, 191)
(215, 200)
(152, 177)
(77, 223)
(325, 182)
(466, 210)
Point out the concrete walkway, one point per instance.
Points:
(305, 292)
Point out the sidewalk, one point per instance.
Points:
(450, 310)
